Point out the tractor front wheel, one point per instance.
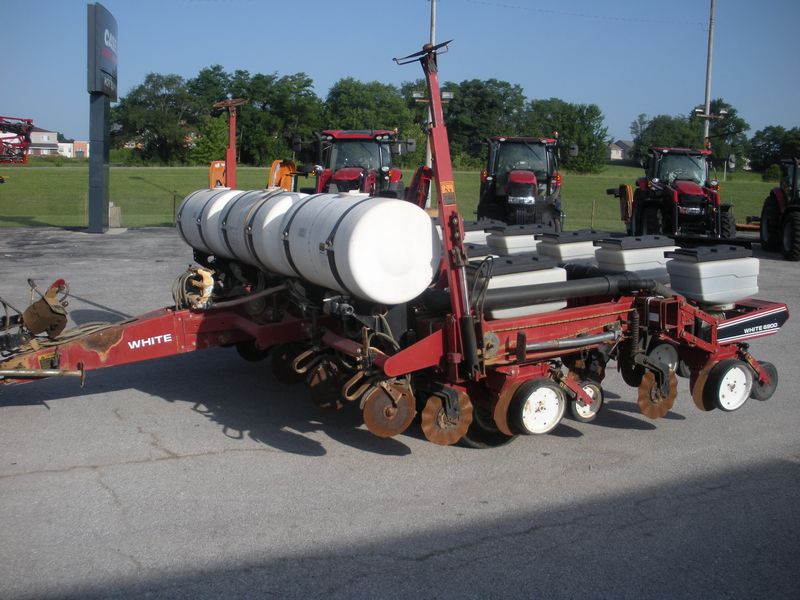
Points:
(727, 225)
(653, 220)
(769, 229)
(791, 235)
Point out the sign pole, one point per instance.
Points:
(99, 109)
(101, 69)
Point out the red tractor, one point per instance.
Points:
(15, 137)
(780, 216)
(521, 183)
(349, 160)
(676, 197)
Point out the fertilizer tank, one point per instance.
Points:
(379, 249)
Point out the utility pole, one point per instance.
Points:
(708, 74)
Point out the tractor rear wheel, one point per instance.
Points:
(727, 225)
(552, 218)
(653, 220)
(770, 228)
(791, 235)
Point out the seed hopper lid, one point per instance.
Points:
(709, 253)
(635, 242)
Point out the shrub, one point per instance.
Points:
(772, 173)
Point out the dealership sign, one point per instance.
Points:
(102, 51)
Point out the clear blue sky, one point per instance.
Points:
(627, 56)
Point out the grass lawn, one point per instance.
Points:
(36, 196)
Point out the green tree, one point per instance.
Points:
(766, 146)
(727, 133)
(480, 109)
(157, 115)
(352, 104)
(579, 124)
(667, 131)
(211, 140)
(211, 85)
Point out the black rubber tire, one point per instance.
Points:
(282, 357)
(714, 384)
(790, 238)
(764, 392)
(770, 227)
(483, 433)
(653, 220)
(727, 224)
(597, 404)
(552, 218)
(250, 352)
(636, 225)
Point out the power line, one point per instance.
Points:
(564, 13)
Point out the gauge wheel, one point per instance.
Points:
(537, 407)
(729, 384)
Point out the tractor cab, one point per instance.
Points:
(521, 183)
(672, 165)
(360, 160)
(789, 178)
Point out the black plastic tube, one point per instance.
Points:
(604, 285)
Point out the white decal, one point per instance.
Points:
(150, 341)
(110, 40)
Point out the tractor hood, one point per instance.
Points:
(522, 177)
(688, 188)
(348, 173)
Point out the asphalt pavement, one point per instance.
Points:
(200, 476)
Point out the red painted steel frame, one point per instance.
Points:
(449, 217)
(158, 334)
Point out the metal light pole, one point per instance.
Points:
(708, 74)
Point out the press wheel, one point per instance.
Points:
(652, 402)
(438, 428)
(586, 413)
(762, 391)
(251, 352)
(385, 416)
(282, 357)
(483, 432)
(324, 383)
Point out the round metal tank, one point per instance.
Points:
(379, 249)
(199, 218)
(266, 229)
